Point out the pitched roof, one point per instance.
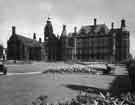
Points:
(27, 41)
(92, 28)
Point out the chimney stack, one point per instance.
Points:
(64, 27)
(112, 25)
(34, 36)
(64, 32)
(123, 23)
(75, 29)
(13, 30)
(95, 21)
(40, 40)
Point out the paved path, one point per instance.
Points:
(119, 70)
(26, 73)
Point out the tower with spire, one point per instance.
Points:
(50, 42)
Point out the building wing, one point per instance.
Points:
(94, 29)
(27, 41)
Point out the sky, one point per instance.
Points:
(30, 16)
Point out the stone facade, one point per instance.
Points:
(23, 48)
(97, 43)
(91, 43)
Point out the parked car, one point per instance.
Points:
(3, 69)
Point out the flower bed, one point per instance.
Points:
(86, 99)
(73, 70)
(85, 69)
(93, 69)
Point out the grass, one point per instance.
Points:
(22, 89)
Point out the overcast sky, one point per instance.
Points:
(30, 15)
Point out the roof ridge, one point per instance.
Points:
(93, 25)
(28, 41)
(26, 37)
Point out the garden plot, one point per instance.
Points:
(78, 68)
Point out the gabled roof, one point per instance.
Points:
(96, 29)
(27, 41)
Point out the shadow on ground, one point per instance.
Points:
(121, 84)
(84, 88)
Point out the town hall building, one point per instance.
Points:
(94, 42)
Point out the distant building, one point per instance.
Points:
(23, 48)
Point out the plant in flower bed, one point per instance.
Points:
(72, 70)
(86, 99)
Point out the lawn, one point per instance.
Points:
(22, 89)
